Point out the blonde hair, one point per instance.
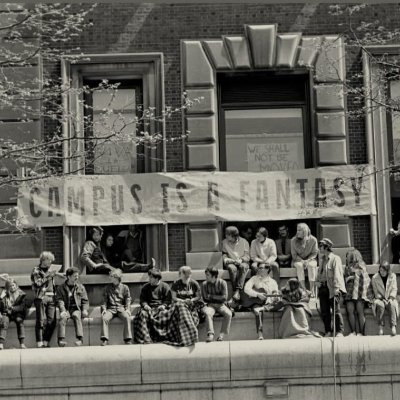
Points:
(47, 255)
(305, 228)
(185, 269)
(354, 257)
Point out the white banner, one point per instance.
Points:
(159, 198)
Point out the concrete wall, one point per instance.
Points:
(366, 368)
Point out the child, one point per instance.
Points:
(12, 308)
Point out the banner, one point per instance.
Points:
(159, 198)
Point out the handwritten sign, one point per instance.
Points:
(111, 158)
(273, 157)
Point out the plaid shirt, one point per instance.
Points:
(357, 285)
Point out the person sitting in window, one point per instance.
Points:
(236, 257)
(247, 233)
(116, 303)
(215, 295)
(72, 301)
(395, 244)
(133, 251)
(92, 255)
(283, 248)
(256, 292)
(384, 297)
(109, 250)
(263, 251)
(304, 249)
(12, 308)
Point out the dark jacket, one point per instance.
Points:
(116, 297)
(80, 295)
(19, 308)
(41, 282)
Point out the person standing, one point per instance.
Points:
(263, 251)
(72, 301)
(116, 304)
(43, 287)
(304, 251)
(384, 288)
(283, 248)
(331, 288)
(215, 295)
(12, 308)
(236, 257)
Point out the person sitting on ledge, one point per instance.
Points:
(304, 251)
(116, 303)
(384, 297)
(284, 255)
(236, 257)
(72, 301)
(12, 308)
(256, 295)
(263, 251)
(215, 295)
(92, 256)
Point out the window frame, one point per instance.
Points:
(147, 67)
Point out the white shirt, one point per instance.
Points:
(266, 250)
(266, 283)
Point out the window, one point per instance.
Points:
(139, 80)
(264, 122)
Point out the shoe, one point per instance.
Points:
(236, 296)
(360, 334)
(339, 334)
(78, 343)
(210, 338)
(260, 336)
(39, 345)
(62, 343)
(129, 341)
(394, 333)
(380, 331)
(104, 342)
(220, 338)
(328, 334)
(352, 334)
(22, 346)
(1, 346)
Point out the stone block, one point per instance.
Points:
(331, 124)
(201, 156)
(203, 260)
(10, 377)
(197, 68)
(309, 49)
(260, 360)
(262, 39)
(333, 152)
(287, 49)
(339, 233)
(203, 238)
(238, 51)
(113, 365)
(201, 128)
(330, 64)
(203, 362)
(203, 101)
(217, 53)
(182, 394)
(329, 96)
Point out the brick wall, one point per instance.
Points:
(148, 27)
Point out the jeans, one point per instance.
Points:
(237, 275)
(327, 306)
(123, 316)
(311, 269)
(222, 309)
(390, 306)
(77, 318)
(45, 318)
(5, 323)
